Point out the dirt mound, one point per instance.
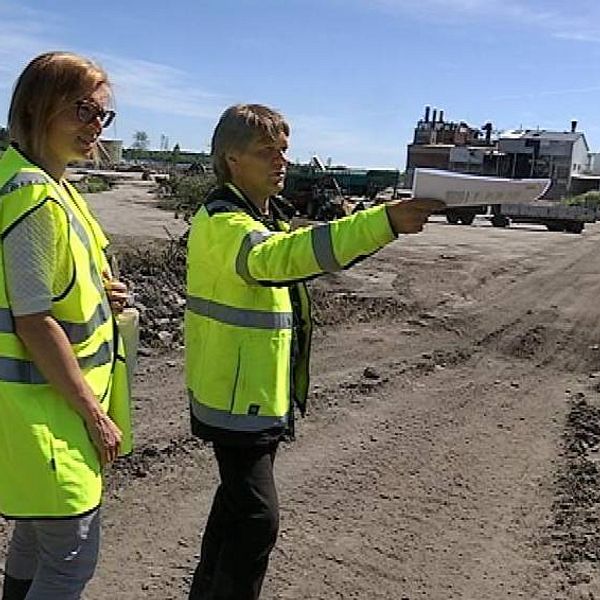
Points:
(544, 339)
(529, 343)
(336, 308)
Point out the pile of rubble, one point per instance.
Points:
(156, 278)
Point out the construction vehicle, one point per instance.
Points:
(324, 193)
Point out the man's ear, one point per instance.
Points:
(231, 161)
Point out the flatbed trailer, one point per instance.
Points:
(556, 217)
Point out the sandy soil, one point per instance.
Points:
(130, 209)
(433, 462)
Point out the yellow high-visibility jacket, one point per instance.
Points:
(239, 320)
(48, 464)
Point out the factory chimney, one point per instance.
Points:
(441, 116)
(427, 111)
(488, 133)
(573, 126)
(434, 116)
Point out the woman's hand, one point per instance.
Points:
(105, 436)
(117, 293)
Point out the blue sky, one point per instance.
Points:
(352, 76)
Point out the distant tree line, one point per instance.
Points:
(166, 156)
(139, 151)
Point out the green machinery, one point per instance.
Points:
(324, 193)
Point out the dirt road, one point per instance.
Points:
(131, 210)
(431, 464)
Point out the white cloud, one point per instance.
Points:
(138, 83)
(158, 87)
(580, 35)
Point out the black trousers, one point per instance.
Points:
(242, 526)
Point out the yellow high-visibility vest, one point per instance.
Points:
(239, 317)
(48, 464)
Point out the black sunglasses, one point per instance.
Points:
(88, 111)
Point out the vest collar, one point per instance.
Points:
(20, 157)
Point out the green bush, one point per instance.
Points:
(184, 194)
(589, 200)
(92, 184)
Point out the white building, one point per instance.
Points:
(539, 153)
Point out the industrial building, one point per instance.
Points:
(562, 156)
(553, 154)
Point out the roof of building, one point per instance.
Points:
(536, 134)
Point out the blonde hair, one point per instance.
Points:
(50, 82)
(238, 126)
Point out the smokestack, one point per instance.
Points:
(427, 111)
(573, 126)
(488, 133)
(434, 117)
(441, 116)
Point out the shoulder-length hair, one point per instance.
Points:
(49, 83)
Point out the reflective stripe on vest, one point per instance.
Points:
(79, 332)
(240, 317)
(223, 419)
(103, 312)
(22, 179)
(16, 370)
(76, 332)
(84, 238)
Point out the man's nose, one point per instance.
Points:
(280, 157)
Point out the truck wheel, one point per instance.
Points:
(467, 219)
(554, 226)
(574, 227)
(452, 218)
(500, 221)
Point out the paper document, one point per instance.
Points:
(458, 189)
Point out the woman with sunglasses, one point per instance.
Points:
(57, 335)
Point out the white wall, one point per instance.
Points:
(580, 159)
(594, 163)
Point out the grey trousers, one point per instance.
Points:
(58, 555)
